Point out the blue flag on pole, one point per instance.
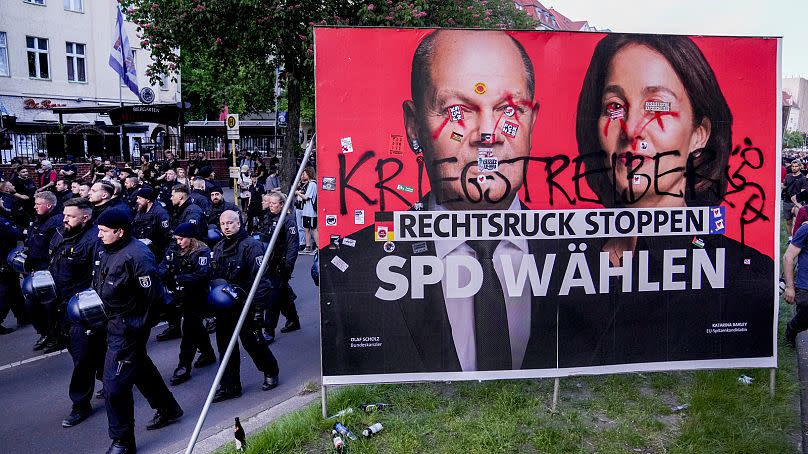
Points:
(120, 56)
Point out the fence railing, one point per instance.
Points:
(56, 147)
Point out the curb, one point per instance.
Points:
(251, 425)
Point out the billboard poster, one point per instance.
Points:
(523, 204)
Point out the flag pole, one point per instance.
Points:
(120, 82)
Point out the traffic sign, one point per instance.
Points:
(232, 127)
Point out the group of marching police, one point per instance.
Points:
(104, 259)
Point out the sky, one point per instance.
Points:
(786, 18)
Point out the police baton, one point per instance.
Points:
(230, 346)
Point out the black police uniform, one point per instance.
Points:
(187, 277)
(40, 233)
(192, 214)
(198, 197)
(64, 196)
(112, 204)
(71, 266)
(131, 197)
(125, 277)
(280, 268)
(37, 241)
(237, 260)
(215, 211)
(10, 293)
(153, 225)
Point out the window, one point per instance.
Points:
(35, 2)
(37, 57)
(76, 71)
(74, 5)
(4, 70)
(164, 82)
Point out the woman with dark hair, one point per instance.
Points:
(625, 73)
(654, 130)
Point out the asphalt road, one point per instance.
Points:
(34, 400)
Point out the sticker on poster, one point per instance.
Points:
(698, 242)
(359, 217)
(617, 114)
(349, 242)
(347, 144)
(657, 106)
(339, 263)
(389, 247)
(334, 244)
(487, 164)
(456, 136)
(509, 111)
(481, 179)
(510, 128)
(395, 143)
(480, 88)
(419, 248)
(747, 261)
(418, 206)
(331, 220)
(384, 231)
(643, 145)
(485, 152)
(487, 138)
(455, 113)
(404, 188)
(329, 183)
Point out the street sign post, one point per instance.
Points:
(231, 122)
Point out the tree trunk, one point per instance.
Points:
(292, 146)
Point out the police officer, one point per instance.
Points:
(71, 250)
(100, 196)
(198, 195)
(184, 212)
(40, 232)
(9, 280)
(126, 279)
(151, 221)
(218, 205)
(237, 259)
(131, 186)
(281, 264)
(185, 270)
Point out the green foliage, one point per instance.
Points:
(793, 139)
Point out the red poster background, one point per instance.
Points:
(363, 77)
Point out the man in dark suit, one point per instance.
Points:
(472, 100)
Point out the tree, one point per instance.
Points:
(793, 139)
(227, 50)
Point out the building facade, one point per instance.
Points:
(55, 53)
(796, 89)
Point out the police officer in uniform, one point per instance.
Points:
(197, 195)
(219, 205)
(151, 221)
(281, 264)
(185, 212)
(71, 250)
(126, 279)
(101, 197)
(9, 280)
(185, 270)
(40, 232)
(237, 259)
